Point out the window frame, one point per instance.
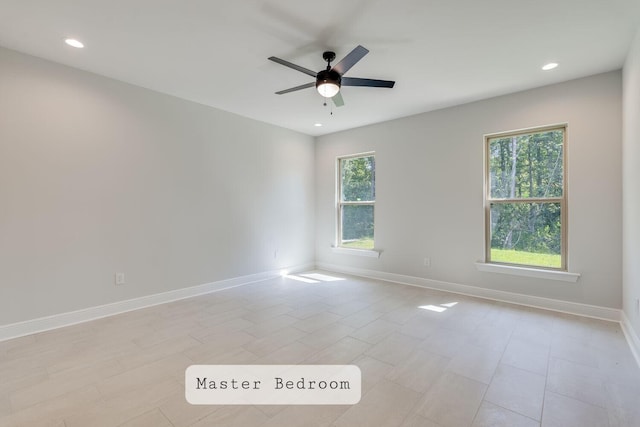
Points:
(488, 200)
(340, 203)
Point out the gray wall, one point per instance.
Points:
(429, 191)
(631, 184)
(98, 177)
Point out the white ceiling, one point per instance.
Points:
(440, 52)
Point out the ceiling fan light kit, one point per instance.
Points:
(329, 81)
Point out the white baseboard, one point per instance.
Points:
(632, 338)
(603, 313)
(42, 324)
(586, 310)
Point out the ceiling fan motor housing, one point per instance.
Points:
(328, 76)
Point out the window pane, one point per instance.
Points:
(526, 233)
(525, 166)
(357, 226)
(358, 179)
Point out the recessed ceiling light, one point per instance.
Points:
(318, 125)
(74, 43)
(549, 66)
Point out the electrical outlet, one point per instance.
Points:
(427, 262)
(120, 279)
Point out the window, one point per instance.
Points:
(356, 201)
(525, 207)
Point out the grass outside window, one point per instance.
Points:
(526, 219)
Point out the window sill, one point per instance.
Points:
(538, 273)
(372, 253)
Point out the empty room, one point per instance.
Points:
(276, 213)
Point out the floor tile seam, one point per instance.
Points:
(556, 356)
(600, 382)
(484, 394)
(95, 381)
(546, 382)
(145, 413)
(364, 353)
(579, 399)
(395, 331)
(61, 396)
(10, 391)
(317, 349)
(523, 369)
(378, 317)
(161, 344)
(166, 417)
(259, 320)
(515, 412)
(15, 410)
(271, 336)
(169, 374)
(530, 342)
(482, 399)
(187, 356)
(306, 332)
(422, 393)
(508, 341)
(257, 337)
(367, 342)
(297, 340)
(426, 417)
(413, 410)
(199, 340)
(147, 406)
(459, 331)
(349, 314)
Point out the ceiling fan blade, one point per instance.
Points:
(293, 89)
(337, 99)
(294, 66)
(350, 60)
(355, 81)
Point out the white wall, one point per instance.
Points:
(429, 191)
(631, 184)
(98, 177)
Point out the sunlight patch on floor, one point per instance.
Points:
(322, 277)
(311, 277)
(438, 308)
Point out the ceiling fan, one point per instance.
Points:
(329, 80)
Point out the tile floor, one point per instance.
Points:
(428, 359)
